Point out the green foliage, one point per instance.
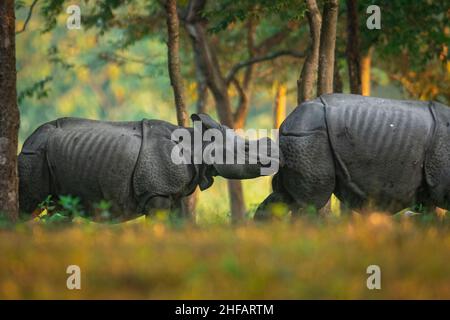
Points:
(71, 206)
(62, 211)
(417, 28)
(50, 9)
(19, 4)
(38, 89)
(229, 11)
(47, 204)
(102, 210)
(55, 57)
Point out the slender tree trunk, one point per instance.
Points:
(207, 63)
(173, 44)
(308, 75)
(247, 88)
(280, 105)
(202, 96)
(202, 88)
(9, 113)
(244, 102)
(353, 47)
(338, 86)
(366, 63)
(327, 46)
(327, 58)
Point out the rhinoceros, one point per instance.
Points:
(129, 164)
(370, 152)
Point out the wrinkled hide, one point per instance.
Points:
(373, 153)
(126, 163)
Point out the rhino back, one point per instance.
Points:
(379, 146)
(95, 160)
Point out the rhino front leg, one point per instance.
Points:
(267, 210)
(156, 204)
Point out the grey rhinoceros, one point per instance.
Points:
(129, 164)
(370, 152)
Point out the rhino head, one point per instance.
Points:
(227, 154)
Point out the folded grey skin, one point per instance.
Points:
(257, 154)
(372, 153)
(128, 164)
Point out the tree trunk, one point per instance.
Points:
(338, 86)
(280, 105)
(353, 47)
(327, 46)
(9, 113)
(244, 102)
(247, 87)
(173, 44)
(202, 96)
(366, 62)
(327, 58)
(207, 63)
(308, 76)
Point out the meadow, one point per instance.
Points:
(313, 258)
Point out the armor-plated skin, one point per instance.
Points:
(370, 152)
(128, 164)
(99, 160)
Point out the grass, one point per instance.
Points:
(314, 258)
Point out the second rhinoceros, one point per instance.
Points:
(370, 152)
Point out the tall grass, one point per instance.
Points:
(312, 258)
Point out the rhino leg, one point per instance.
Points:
(437, 162)
(265, 209)
(307, 178)
(156, 204)
(309, 172)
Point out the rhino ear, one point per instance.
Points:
(206, 120)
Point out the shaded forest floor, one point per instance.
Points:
(312, 258)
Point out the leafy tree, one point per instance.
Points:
(173, 44)
(9, 113)
(413, 37)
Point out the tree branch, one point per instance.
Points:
(239, 89)
(245, 91)
(30, 12)
(121, 59)
(251, 61)
(272, 40)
